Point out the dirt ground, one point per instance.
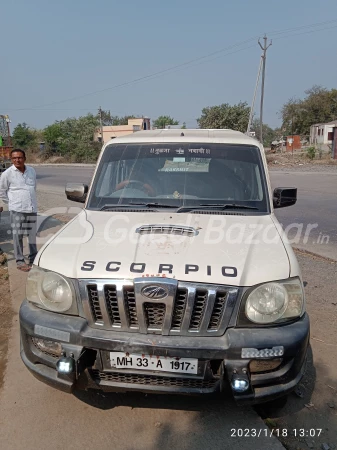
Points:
(5, 315)
(314, 405)
(299, 161)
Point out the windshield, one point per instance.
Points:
(179, 175)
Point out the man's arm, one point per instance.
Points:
(4, 185)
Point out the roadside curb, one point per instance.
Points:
(315, 255)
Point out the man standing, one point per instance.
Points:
(18, 189)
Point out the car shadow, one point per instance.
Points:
(297, 399)
(205, 402)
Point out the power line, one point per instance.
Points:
(187, 63)
(317, 24)
(305, 32)
(141, 78)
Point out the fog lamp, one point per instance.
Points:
(264, 365)
(239, 384)
(65, 365)
(51, 348)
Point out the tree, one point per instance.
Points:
(318, 106)
(74, 138)
(225, 116)
(163, 121)
(23, 136)
(269, 135)
(108, 119)
(53, 136)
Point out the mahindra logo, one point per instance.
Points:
(154, 292)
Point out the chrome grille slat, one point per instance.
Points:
(179, 309)
(191, 309)
(198, 309)
(95, 306)
(130, 303)
(218, 310)
(103, 304)
(110, 294)
(191, 291)
(210, 300)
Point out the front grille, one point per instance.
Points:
(112, 304)
(192, 310)
(219, 306)
(94, 303)
(130, 303)
(179, 309)
(198, 309)
(152, 380)
(154, 314)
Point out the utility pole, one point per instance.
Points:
(101, 123)
(254, 97)
(264, 57)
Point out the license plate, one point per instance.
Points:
(120, 360)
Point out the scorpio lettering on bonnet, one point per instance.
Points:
(114, 266)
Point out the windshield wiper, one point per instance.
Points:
(154, 205)
(115, 206)
(228, 206)
(218, 206)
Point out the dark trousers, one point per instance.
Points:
(23, 224)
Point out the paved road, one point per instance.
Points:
(58, 176)
(316, 205)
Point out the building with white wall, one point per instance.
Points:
(322, 133)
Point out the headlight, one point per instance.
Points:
(275, 302)
(51, 291)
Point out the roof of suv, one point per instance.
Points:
(197, 135)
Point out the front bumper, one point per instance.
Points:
(219, 357)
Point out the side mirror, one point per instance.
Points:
(76, 192)
(283, 197)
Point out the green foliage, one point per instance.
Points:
(318, 106)
(123, 120)
(108, 119)
(162, 121)
(183, 127)
(268, 134)
(74, 138)
(225, 116)
(53, 136)
(23, 136)
(311, 152)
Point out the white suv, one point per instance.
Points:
(175, 277)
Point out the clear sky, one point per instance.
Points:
(56, 50)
